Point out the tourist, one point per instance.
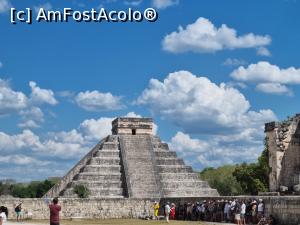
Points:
(226, 211)
(260, 209)
(3, 215)
(54, 212)
(167, 211)
(18, 211)
(172, 212)
(253, 212)
(156, 208)
(243, 213)
(237, 212)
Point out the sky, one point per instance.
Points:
(210, 73)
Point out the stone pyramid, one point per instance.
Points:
(132, 163)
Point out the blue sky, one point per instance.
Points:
(210, 73)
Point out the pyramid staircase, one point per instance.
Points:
(134, 166)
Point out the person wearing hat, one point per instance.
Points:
(156, 208)
(253, 211)
(167, 211)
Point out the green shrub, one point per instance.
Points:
(81, 191)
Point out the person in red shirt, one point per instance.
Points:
(54, 212)
(172, 212)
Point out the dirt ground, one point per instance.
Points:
(112, 222)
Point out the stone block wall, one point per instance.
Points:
(86, 208)
(286, 209)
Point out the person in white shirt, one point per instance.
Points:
(260, 209)
(3, 216)
(167, 211)
(243, 212)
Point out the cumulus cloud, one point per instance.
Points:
(274, 88)
(262, 51)
(95, 129)
(264, 72)
(162, 4)
(5, 6)
(11, 101)
(22, 160)
(216, 151)
(234, 62)
(40, 96)
(97, 101)
(31, 117)
(26, 139)
(198, 105)
(204, 37)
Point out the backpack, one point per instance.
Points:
(18, 208)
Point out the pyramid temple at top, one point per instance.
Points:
(132, 163)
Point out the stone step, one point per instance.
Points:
(112, 138)
(107, 153)
(104, 161)
(102, 169)
(97, 192)
(169, 161)
(185, 184)
(174, 169)
(179, 176)
(98, 184)
(97, 176)
(161, 145)
(110, 146)
(165, 154)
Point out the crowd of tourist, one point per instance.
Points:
(241, 212)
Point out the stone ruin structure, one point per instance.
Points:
(283, 140)
(132, 163)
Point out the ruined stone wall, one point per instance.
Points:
(285, 209)
(284, 152)
(86, 208)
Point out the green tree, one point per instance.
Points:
(222, 179)
(254, 177)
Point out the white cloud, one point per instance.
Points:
(22, 160)
(162, 4)
(217, 151)
(29, 124)
(26, 139)
(203, 37)
(96, 129)
(40, 96)
(10, 100)
(5, 6)
(262, 51)
(31, 117)
(274, 88)
(198, 105)
(133, 2)
(97, 101)
(264, 72)
(46, 6)
(1, 64)
(234, 62)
